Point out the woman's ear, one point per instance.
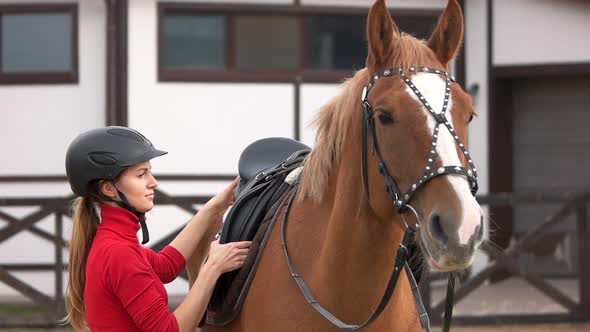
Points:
(107, 188)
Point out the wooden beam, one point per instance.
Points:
(35, 230)
(25, 289)
(25, 223)
(584, 256)
(551, 291)
(116, 62)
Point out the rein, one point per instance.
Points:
(400, 260)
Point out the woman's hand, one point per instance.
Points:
(227, 257)
(224, 199)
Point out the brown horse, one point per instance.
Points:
(342, 237)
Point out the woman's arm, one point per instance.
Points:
(205, 223)
(222, 258)
(191, 310)
(167, 263)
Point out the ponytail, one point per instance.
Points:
(85, 223)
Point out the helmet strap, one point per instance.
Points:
(124, 203)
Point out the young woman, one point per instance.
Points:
(114, 283)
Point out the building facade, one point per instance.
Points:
(203, 79)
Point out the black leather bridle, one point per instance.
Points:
(399, 199)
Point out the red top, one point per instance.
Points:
(124, 288)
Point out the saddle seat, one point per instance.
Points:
(266, 153)
(263, 155)
(263, 168)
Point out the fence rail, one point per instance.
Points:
(571, 204)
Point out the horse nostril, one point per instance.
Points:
(436, 229)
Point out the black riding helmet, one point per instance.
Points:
(102, 154)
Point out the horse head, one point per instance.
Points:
(419, 117)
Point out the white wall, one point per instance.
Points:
(476, 73)
(540, 31)
(313, 97)
(204, 126)
(37, 122)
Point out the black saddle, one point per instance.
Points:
(262, 168)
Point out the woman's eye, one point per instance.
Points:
(470, 118)
(385, 118)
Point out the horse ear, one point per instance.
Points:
(448, 35)
(381, 34)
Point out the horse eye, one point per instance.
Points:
(385, 118)
(470, 118)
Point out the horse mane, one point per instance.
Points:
(333, 120)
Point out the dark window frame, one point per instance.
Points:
(232, 74)
(42, 77)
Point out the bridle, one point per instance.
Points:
(399, 199)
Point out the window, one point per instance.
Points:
(336, 42)
(265, 42)
(194, 41)
(38, 44)
(256, 43)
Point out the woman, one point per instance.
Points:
(114, 283)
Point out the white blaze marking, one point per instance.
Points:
(433, 88)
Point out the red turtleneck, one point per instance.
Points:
(124, 288)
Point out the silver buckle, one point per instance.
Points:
(418, 220)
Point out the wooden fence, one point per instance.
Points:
(51, 309)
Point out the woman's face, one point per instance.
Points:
(138, 184)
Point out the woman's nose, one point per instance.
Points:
(153, 182)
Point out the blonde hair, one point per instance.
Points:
(334, 118)
(85, 220)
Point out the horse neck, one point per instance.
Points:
(354, 233)
(358, 247)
